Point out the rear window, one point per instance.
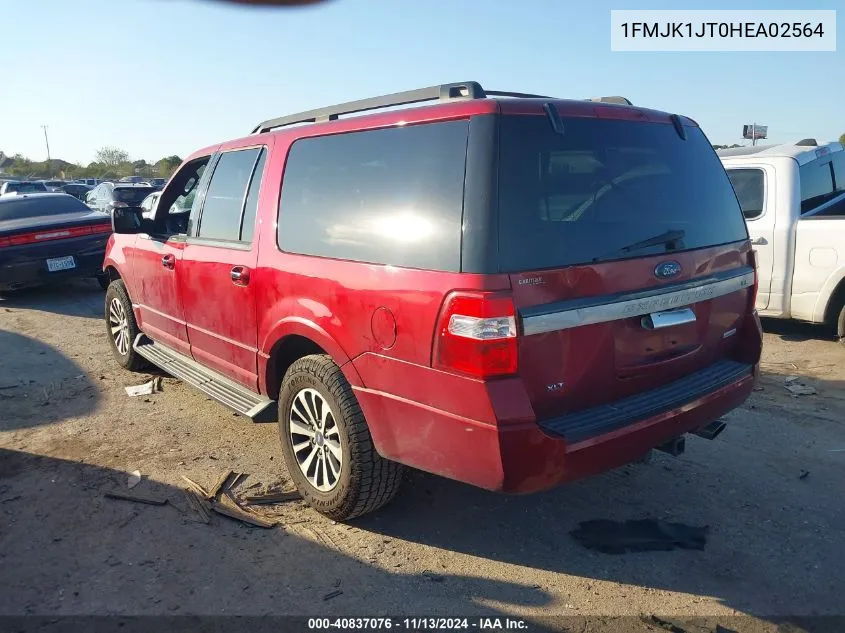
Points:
(132, 195)
(817, 183)
(749, 187)
(602, 185)
(389, 196)
(26, 187)
(20, 208)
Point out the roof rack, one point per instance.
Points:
(465, 90)
(616, 99)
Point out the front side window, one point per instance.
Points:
(750, 190)
(389, 196)
(224, 201)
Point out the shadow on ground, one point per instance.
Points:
(74, 297)
(797, 331)
(770, 495)
(62, 389)
(119, 557)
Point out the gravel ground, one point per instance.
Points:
(770, 488)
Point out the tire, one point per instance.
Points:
(840, 324)
(361, 481)
(118, 313)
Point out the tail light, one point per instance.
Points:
(57, 234)
(752, 261)
(476, 335)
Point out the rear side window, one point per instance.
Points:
(593, 191)
(132, 195)
(749, 187)
(20, 208)
(390, 196)
(224, 201)
(816, 183)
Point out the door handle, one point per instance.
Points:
(168, 261)
(760, 241)
(240, 275)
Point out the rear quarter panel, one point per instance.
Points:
(819, 265)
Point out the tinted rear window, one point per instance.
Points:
(26, 187)
(749, 187)
(132, 195)
(19, 208)
(390, 196)
(602, 185)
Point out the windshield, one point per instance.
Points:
(15, 208)
(602, 185)
(25, 187)
(132, 195)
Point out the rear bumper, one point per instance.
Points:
(27, 265)
(526, 457)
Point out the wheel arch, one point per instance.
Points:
(835, 303)
(290, 340)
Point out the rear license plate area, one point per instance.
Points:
(57, 264)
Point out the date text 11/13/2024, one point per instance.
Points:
(419, 624)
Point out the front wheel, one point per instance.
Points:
(327, 445)
(122, 328)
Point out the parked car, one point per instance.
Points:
(77, 190)
(21, 186)
(91, 182)
(158, 183)
(793, 199)
(148, 205)
(508, 291)
(50, 236)
(53, 185)
(108, 195)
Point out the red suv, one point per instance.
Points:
(508, 290)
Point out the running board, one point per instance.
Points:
(240, 399)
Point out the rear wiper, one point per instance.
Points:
(669, 238)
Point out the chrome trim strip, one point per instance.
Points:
(603, 311)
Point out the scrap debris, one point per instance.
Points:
(227, 506)
(146, 389)
(273, 497)
(152, 501)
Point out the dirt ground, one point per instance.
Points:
(770, 488)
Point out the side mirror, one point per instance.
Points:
(127, 220)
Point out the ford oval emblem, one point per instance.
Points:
(667, 270)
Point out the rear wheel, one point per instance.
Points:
(840, 323)
(122, 328)
(326, 443)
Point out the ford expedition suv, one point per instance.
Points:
(509, 290)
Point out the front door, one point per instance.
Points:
(157, 260)
(156, 266)
(219, 259)
(753, 186)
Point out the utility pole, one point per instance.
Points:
(49, 162)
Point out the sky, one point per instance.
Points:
(162, 77)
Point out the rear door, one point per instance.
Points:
(218, 263)
(627, 252)
(754, 186)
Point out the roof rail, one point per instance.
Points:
(443, 92)
(615, 99)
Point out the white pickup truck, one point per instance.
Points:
(793, 198)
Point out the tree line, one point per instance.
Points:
(110, 163)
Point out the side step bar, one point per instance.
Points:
(238, 398)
